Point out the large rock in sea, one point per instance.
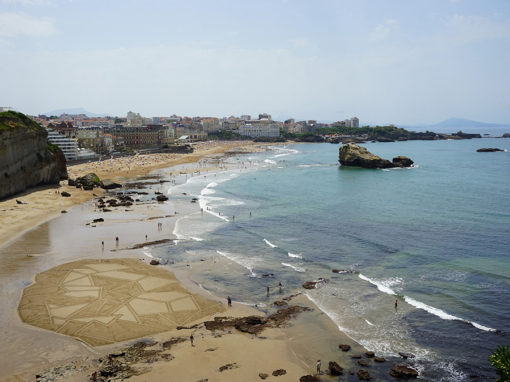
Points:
(27, 159)
(351, 154)
(489, 150)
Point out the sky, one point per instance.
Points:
(398, 61)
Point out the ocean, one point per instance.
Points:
(435, 237)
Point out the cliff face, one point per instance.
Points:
(26, 157)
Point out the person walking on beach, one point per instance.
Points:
(117, 240)
(191, 339)
(267, 290)
(396, 304)
(229, 301)
(319, 366)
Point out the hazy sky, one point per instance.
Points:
(384, 61)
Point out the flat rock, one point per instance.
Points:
(370, 354)
(309, 378)
(279, 372)
(314, 283)
(379, 359)
(363, 362)
(344, 347)
(65, 194)
(488, 150)
(403, 371)
(263, 375)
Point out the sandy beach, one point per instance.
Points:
(33, 246)
(74, 306)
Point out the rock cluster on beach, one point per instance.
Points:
(351, 154)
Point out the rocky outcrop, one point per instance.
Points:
(351, 154)
(488, 150)
(315, 283)
(403, 372)
(335, 369)
(26, 157)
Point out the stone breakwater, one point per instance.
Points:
(26, 157)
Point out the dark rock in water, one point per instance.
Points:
(27, 159)
(506, 135)
(488, 150)
(406, 355)
(154, 262)
(351, 154)
(263, 375)
(363, 375)
(342, 271)
(370, 354)
(268, 275)
(280, 303)
(98, 220)
(315, 283)
(363, 362)
(344, 347)
(379, 359)
(109, 184)
(385, 139)
(403, 371)
(356, 356)
(65, 194)
(161, 198)
(63, 212)
(402, 161)
(309, 378)
(279, 372)
(335, 369)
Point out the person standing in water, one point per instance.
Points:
(229, 301)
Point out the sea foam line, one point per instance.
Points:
(295, 255)
(420, 305)
(236, 260)
(269, 243)
(295, 267)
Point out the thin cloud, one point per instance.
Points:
(469, 29)
(19, 24)
(383, 30)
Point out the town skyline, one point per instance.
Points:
(391, 61)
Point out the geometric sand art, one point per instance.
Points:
(105, 301)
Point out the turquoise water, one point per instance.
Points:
(436, 237)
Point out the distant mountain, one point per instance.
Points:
(76, 110)
(466, 123)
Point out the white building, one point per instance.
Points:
(257, 131)
(352, 122)
(68, 146)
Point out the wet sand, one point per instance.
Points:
(26, 349)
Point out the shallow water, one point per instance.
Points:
(434, 237)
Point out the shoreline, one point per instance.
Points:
(293, 348)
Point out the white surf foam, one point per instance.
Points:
(245, 263)
(269, 243)
(368, 322)
(295, 255)
(295, 267)
(420, 305)
(269, 161)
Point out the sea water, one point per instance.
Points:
(434, 237)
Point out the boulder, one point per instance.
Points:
(98, 220)
(406, 355)
(109, 184)
(71, 182)
(379, 359)
(335, 369)
(403, 371)
(344, 347)
(89, 180)
(65, 194)
(309, 378)
(488, 150)
(161, 198)
(263, 375)
(369, 354)
(351, 154)
(279, 372)
(363, 375)
(402, 161)
(280, 303)
(154, 262)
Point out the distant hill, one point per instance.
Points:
(76, 110)
(467, 123)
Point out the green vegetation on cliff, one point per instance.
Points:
(389, 132)
(12, 119)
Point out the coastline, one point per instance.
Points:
(28, 350)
